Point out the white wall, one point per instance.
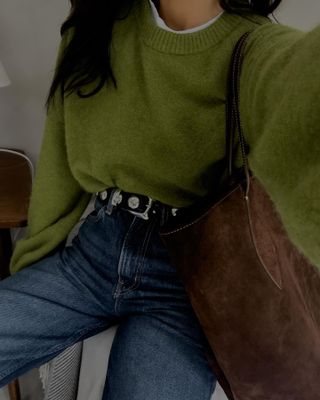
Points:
(29, 36)
(302, 14)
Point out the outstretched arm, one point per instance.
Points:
(280, 113)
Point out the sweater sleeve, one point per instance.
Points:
(280, 113)
(57, 201)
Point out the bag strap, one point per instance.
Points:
(232, 110)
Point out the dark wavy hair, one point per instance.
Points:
(86, 58)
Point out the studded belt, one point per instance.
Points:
(137, 204)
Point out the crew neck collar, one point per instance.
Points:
(170, 42)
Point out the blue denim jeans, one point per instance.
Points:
(115, 271)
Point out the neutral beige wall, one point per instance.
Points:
(29, 36)
(302, 14)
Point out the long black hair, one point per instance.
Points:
(86, 58)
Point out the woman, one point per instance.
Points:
(136, 115)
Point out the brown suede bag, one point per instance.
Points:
(256, 296)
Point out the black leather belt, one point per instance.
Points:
(137, 204)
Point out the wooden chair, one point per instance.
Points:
(15, 190)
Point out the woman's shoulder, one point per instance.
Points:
(267, 33)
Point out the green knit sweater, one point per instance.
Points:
(161, 132)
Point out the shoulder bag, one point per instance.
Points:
(255, 295)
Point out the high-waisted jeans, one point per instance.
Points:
(115, 271)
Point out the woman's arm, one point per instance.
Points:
(57, 201)
(280, 112)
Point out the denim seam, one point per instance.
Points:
(123, 261)
(98, 216)
(141, 255)
(56, 348)
(122, 257)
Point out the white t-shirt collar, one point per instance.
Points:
(160, 22)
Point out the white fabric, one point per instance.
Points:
(60, 377)
(161, 24)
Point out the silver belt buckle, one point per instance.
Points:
(143, 215)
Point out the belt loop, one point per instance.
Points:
(114, 200)
(110, 205)
(164, 214)
(168, 213)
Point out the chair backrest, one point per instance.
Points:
(16, 177)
